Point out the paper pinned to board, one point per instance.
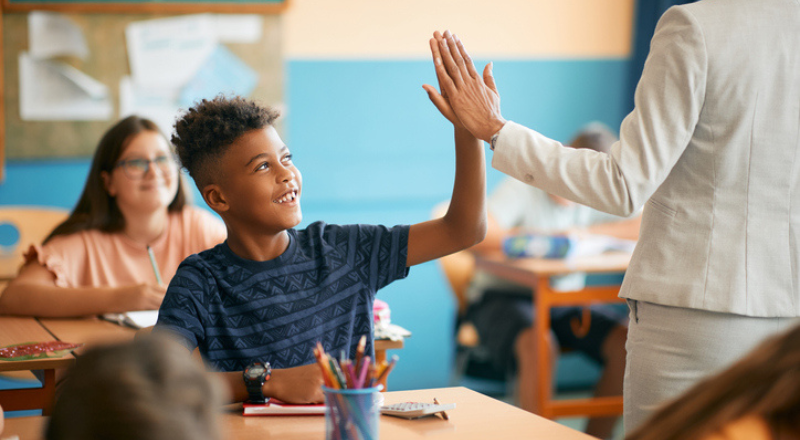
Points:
(51, 34)
(238, 28)
(223, 72)
(154, 103)
(167, 52)
(51, 90)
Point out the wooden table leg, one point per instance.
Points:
(544, 391)
(32, 398)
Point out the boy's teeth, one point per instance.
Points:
(287, 198)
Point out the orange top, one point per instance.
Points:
(746, 428)
(94, 258)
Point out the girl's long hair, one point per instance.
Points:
(766, 383)
(96, 209)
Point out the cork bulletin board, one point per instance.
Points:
(103, 25)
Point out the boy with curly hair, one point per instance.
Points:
(270, 292)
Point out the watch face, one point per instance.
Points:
(255, 371)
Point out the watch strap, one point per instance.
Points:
(493, 140)
(254, 387)
(255, 393)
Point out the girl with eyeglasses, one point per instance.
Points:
(132, 222)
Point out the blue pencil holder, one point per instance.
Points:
(352, 414)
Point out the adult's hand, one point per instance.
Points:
(440, 99)
(472, 97)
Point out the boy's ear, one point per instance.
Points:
(214, 197)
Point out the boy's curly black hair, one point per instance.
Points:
(204, 133)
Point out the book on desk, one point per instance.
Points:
(275, 407)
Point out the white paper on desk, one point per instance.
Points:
(137, 320)
(154, 103)
(238, 28)
(51, 34)
(595, 244)
(167, 52)
(391, 332)
(51, 90)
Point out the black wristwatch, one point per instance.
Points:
(255, 376)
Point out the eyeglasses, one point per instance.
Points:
(137, 168)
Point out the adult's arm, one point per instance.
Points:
(34, 293)
(669, 99)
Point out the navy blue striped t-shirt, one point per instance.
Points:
(238, 311)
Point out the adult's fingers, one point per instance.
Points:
(467, 59)
(445, 82)
(488, 78)
(456, 54)
(449, 63)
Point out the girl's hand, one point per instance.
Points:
(142, 297)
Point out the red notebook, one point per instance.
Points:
(275, 407)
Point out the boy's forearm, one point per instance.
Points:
(293, 385)
(237, 392)
(467, 211)
(464, 223)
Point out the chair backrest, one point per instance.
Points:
(459, 268)
(21, 226)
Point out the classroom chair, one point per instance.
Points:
(473, 366)
(21, 226)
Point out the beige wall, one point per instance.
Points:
(516, 29)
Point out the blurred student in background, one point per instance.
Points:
(502, 311)
(758, 398)
(97, 260)
(146, 389)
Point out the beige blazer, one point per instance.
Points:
(710, 150)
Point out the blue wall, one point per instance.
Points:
(372, 149)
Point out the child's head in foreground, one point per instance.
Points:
(148, 388)
(240, 164)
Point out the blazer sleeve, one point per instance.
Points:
(668, 102)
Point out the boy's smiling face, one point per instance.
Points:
(259, 185)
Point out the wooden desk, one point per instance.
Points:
(15, 330)
(476, 417)
(97, 331)
(536, 273)
(89, 331)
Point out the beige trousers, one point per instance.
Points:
(672, 348)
